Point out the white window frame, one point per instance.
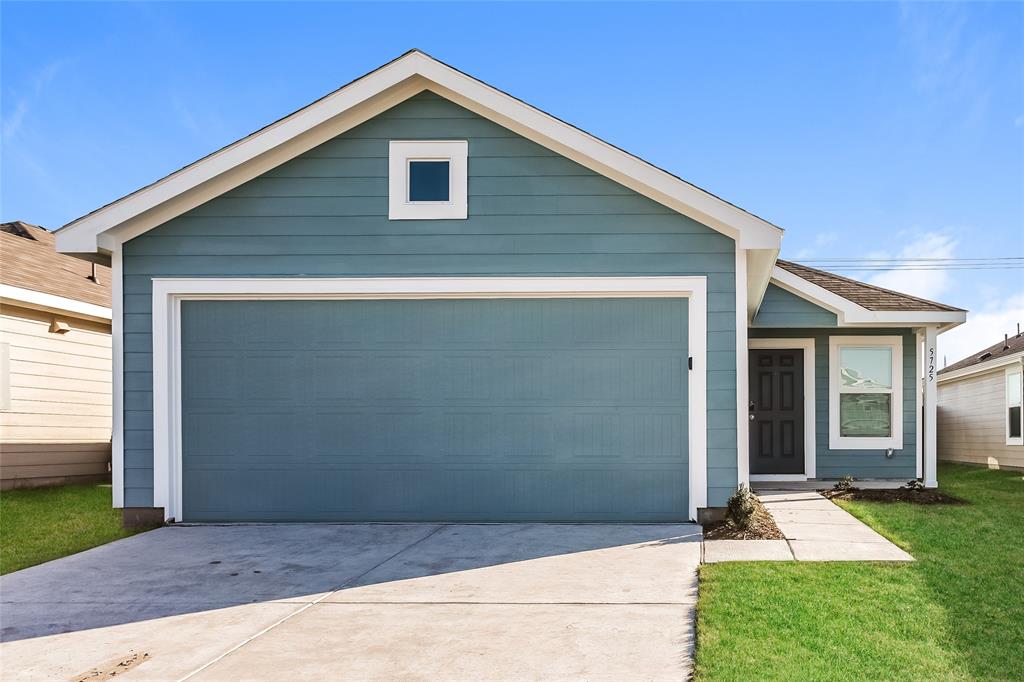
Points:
(893, 441)
(401, 152)
(168, 293)
(1008, 372)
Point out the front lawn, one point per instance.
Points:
(957, 613)
(41, 524)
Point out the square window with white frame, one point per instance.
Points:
(1014, 406)
(865, 392)
(427, 180)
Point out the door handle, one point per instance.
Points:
(751, 417)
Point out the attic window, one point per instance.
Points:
(427, 180)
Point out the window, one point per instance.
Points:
(865, 392)
(427, 180)
(1014, 402)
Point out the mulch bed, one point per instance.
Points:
(762, 527)
(927, 496)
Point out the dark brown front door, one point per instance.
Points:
(777, 411)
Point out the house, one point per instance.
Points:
(55, 363)
(421, 298)
(979, 419)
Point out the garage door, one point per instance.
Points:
(470, 409)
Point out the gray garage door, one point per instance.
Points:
(483, 410)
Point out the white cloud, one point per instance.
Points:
(930, 284)
(982, 329)
(13, 124)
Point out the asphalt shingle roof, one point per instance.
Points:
(1005, 348)
(865, 295)
(29, 260)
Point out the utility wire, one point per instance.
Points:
(917, 264)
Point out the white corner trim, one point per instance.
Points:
(742, 372)
(52, 303)
(168, 293)
(849, 314)
(895, 441)
(930, 438)
(401, 152)
(1007, 373)
(364, 98)
(117, 379)
(810, 400)
(919, 400)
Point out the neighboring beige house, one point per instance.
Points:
(55, 363)
(980, 418)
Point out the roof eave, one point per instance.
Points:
(850, 314)
(981, 367)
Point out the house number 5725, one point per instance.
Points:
(931, 364)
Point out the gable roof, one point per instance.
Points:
(108, 226)
(1006, 350)
(858, 304)
(868, 296)
(32, 272)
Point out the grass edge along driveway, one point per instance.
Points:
(42, 524)
(957, 613)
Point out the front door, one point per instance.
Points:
(776, 411)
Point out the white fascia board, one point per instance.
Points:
(982, 368)
(394, 83)
(850, 314)
(52, 303)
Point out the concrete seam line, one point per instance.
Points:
(303, 608)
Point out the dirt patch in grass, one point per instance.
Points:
(762, 527)
(929, 496)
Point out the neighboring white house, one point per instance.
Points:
(55, 350)
(980, 418)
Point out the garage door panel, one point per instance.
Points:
(491, 410)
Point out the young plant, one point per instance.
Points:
(845, 483)
(741, 507)
(914, 484)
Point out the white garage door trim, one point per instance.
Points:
(168, 293)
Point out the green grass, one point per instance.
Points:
(48, 523)
(957, 613)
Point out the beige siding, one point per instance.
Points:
(971, 422)
(55, 418)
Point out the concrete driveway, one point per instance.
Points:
(365, 601)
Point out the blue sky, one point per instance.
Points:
(864, 129)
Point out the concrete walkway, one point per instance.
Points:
(361, 602)
(815, 530)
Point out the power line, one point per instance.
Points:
(917, 263)
(891, 268)
(889, 260)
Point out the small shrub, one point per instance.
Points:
(844, 483)
(741, 507)
(914, 484)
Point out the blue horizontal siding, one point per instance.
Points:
(531, 212)
(858, 463)
(780, 308)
